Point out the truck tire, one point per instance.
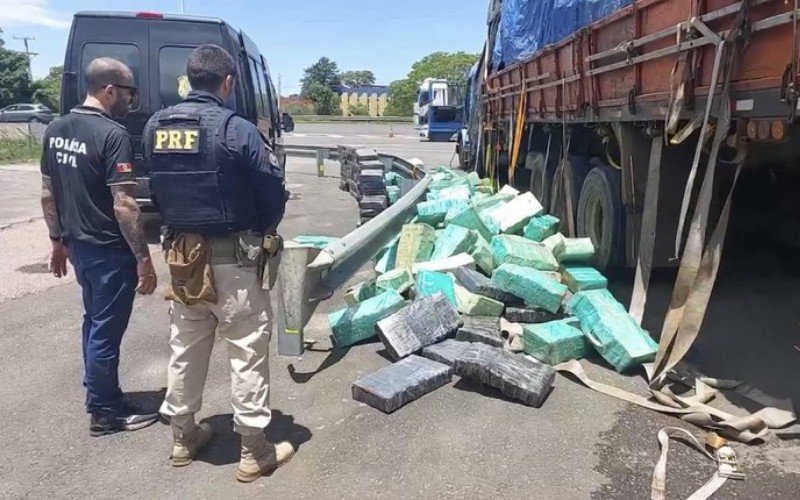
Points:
(556, 200)
(600, 215)
(540, 181)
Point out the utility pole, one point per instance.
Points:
(28, 53)
(181, 7)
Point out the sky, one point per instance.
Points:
(384, 36)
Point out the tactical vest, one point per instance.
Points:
(193, 176)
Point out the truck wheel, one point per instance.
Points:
(556, 201)
(600, 215)
(540, 181)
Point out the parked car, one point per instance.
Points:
(156, 46)
(23, 112)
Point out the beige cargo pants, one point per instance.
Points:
(241, 318)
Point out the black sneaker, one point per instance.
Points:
(127, 420)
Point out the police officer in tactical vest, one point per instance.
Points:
(220, 191)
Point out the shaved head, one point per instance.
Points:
(105, 71)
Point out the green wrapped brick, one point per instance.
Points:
(474, 179)
(361, 292)
(393, 193)
(511, 217)
(453, 240)
(392, 178)
(458, 192)
(479, 195)
(511, 249)
(491, 201)
(555, 342)
(399, 280)
(555, 244)
(447, 182)
(576, 250)
(430, 283)
(387, 256)
(482, 253)
(541, 227)
(612, 331)
(434, 212)
(580, 278)
(472, 304)
(315, 241)
(534, 287)
(468, 218)
(415, 245)
(445, 265)
(356, 323)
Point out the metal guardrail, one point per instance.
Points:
(306, 276)
(320, 153)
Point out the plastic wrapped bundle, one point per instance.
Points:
(453, 240)
(534, 287)
(510, 249)
(416, 244)
(395, 385)
(445, 265)
(479, 284)
(399, 280)
(425, 321)
(577, 250)
(512, 216)
(387, 257)
(357, 323)
(446, 352)
(518, 377)
(430, 283)
(555, 244)
(361, 292)
(467, 218)
(472, 304)
(459, 192)
(580, 278)
(434, 212)
(491, 201)
(449, 179)
(393, 193)
(530, 315)
(541, 227)
(612, 331)
(392, 178)
(315, 241)
(482, 253)
(556, 341)
(483, 329)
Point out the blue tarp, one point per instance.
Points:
(528, 25)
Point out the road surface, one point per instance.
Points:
(461, 441)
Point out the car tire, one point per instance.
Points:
(34, 120)
(600, 215)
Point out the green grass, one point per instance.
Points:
(19, 150)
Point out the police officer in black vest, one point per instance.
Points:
(220, 190)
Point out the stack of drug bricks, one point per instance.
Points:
(483, 285)
(365, 176)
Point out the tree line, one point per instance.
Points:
(321, 81)
(16, 85)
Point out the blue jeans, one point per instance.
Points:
(108, 279)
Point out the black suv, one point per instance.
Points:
(156, 47)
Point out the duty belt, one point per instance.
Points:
(243, 249)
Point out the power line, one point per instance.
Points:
(28, 52)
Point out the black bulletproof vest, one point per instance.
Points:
(193, 176)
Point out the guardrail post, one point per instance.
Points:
(320, 163)
(295, 303)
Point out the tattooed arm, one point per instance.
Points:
(129, 217)
(59, 253)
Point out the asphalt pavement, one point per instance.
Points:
(461, 441)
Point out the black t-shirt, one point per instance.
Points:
(86, 152)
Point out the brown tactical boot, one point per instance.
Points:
(260, 457)
(187, 440)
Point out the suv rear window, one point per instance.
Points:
(172, 82)
(124, 52)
